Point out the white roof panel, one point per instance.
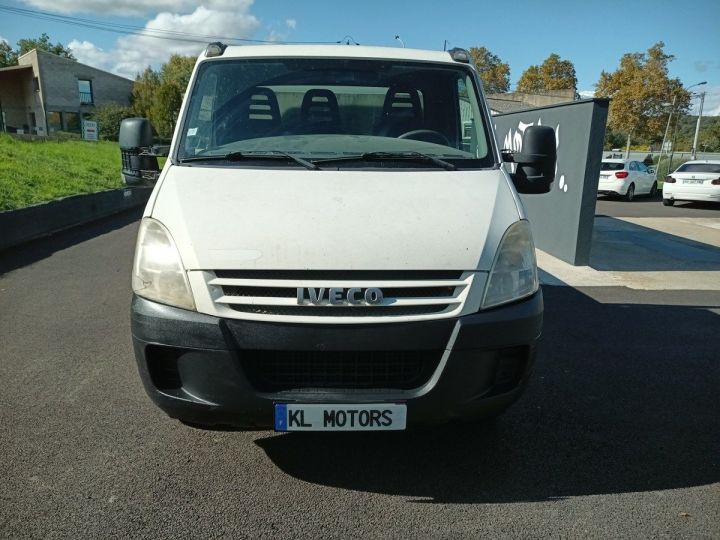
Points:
(335, 51)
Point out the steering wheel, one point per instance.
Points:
(427, 135)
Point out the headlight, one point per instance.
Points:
(514, 272)
(158, 272)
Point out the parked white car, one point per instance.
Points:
(693, 181)
(626, 178)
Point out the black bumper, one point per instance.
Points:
(197, 367)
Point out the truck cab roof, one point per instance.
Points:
(333, 51)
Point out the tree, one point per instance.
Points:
(157, 95)
(710, 138)
(109, 117)
(494, 73)
(8, 57)
(177, 71)
(553, 74)
(43, 43)
(144, 90)
(613, 139)
(165, 109)
(642, 94)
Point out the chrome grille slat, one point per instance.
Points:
(272, 295)
(355, 275)
(287, 292)
(340, 311)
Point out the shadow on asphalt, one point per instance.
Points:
(36, 250)
(638, 199)
(627, 247)
(643, 206)
(623, 399)
(690, 205)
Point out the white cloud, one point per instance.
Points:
(586, 93)
(87, 53)
(291, 23)
(135, 7)
(702, 67)
(133, 53)
(276, 36)
(712, 102)
(3, 39)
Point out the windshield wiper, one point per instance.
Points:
(265, 154)
(390, 156)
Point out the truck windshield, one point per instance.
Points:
(319, 108)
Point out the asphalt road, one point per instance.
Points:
(618, 434)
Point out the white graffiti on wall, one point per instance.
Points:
(513, 141)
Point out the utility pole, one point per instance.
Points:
(627, 150)
(677, 117)
(697, 126)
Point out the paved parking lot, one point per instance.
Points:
(617, 435)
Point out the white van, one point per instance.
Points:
(334, 243)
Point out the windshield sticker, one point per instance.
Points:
(192, 132)
(206, 107)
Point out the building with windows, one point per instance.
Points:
(46, 93)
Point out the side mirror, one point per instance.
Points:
(139, 162)
(651, 170)
(536, 163)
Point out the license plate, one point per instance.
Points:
(340, 417)
(693, 181)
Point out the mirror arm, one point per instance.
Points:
(158, 150)
(522, 158)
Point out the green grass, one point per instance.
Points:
(32, 172)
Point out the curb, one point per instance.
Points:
(24, 224)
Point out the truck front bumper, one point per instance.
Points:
(203, 369)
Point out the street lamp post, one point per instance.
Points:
(697, 125)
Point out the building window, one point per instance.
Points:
(54, 121)
(85, 89)
(72, 121)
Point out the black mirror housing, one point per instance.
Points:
(139, 162)
(135, 134)
(536, 163)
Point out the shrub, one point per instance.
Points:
(108, 118)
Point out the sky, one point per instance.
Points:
(592, 35)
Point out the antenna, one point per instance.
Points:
(397, 37)
(347, 39)
(445, 44)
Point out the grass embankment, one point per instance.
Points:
(38, 171)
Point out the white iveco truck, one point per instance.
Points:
(334, 243)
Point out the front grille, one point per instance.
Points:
(277, 371)
(273, 294)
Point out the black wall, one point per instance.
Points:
(562, 220)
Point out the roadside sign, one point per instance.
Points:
(89, 130)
